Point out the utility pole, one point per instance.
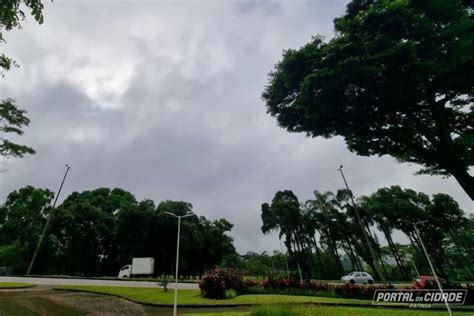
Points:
(364, 232)
(431, 267)
(45, 228)
(179, 217)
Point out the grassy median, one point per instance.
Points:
(263, 304)
(329, 311)
(193, 297)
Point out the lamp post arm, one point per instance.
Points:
(174, 215)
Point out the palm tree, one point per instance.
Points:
(284, 215)
(321, 214)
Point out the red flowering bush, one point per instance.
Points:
(249, 283)
(317, 286)
(218, 281)
(348, 290)
(280, 283)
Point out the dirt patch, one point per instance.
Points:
(49, 302)
(93, 304)
(46, 301)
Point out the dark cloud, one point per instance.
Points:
(163, 100)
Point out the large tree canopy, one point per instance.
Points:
(22, 218)
(96, 232)
(13, 119)
(396, 79)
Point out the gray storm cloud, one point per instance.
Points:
(163, 100)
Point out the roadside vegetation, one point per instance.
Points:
(95, 233)
(320, 236)
(323, 238)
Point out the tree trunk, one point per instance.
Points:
(337, 258)
(465, 181)
(379, 255)
(366, 255)
(448, 154)
(352, 256)
(318, 254)
(329, 243)
(354, 247)
(394, 250)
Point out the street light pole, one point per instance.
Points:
(45, 228)
(431, 266)
(175, 303)
(364, 232)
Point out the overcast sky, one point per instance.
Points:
(163, 100)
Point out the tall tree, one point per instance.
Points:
(284, 215)
(382, 206)
(22, 218)
(13, 119)
(135, 230)
(396, 79)
(24, 214)
(365, 242)
(325, 217)
(84, 226)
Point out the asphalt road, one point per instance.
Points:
(71, 281)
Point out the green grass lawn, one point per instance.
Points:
(329, 311)
(193, 297)
(220, 314)
(14, 285)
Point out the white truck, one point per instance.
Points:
(140, 267)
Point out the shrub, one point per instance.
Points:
(296, 291)
(318, 286)
(356, 291)
(250, 283)
(164, 282)
(230, 294)
(281, 283)
(348, 290)
(218, 281)
(291, 286)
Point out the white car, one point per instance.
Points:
(358, 277)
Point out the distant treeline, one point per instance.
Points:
(95, 233)
(324, 238)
